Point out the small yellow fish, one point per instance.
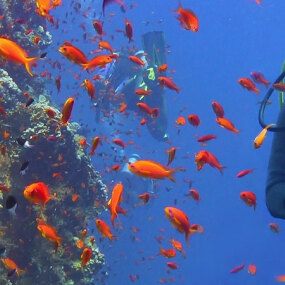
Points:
(258, 141)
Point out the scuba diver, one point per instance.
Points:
(275, 184)
(123, 77)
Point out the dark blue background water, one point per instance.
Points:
(235, 38)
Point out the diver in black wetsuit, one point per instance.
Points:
(275, 184)
(124, 77)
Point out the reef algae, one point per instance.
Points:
(56, 159)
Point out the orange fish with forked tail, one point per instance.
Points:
(37, 193)
(152, 169)
(180, 221)
(11, 265)
(10, 50)
(48, 232)
(104, 229)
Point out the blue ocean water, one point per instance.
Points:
(235, 38)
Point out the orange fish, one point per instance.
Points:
(143, 92)
(66, 111)
(119, 142)
(180, 221)
(123, 107)
(136, 60)
(10, 50)
(274, 227)
(280, 278)
(227, 124)
(279, 86)
(105, 45)
(171, 154)
(146, 109)
(116, 198)
(80, 244)
(82, 142)
(73, 53)
(143, 121)
(129, 30)
(249, 198)
(206, 157)
(248, 84)
(152, 169)
(104, 229)
(180, 121)
(259, 78)
(37, 193)
(258, 141)
(11, 265)
(177, 245)
(85, 256)
(89, 86)
(188, 20)
(162, 68)
(97, 61)
(95, 143)
(252, 269)
(193, 120)
(169, 253)
(218, 109)
(48, 232)
(167, 82)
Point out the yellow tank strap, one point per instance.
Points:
(151, 73)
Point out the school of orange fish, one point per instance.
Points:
(38, 192)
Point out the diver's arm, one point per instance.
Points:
(275, 185)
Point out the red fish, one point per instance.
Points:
(274, 227)
(95, 143)
(238, 268)
(171, 154)
(259, 78)
(248, 84)
(147, 109)
(129, 30)
(145, 197)
(244, 172)
(136, 60)
(37, 193)
(206, 138)
(172, 265)
(143, 92)
(252, 269)
(167, 82)
(188, 20)
(218, 109)
(206, 157)
(249, 198)
(193, 120)
(86, 256)
(168, 253)
(98, 27)
(194, 194)
(119, 142)
(162, 68)
(180, 121)
(279, 86)
(66, 111)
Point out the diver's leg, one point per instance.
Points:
(275, 185)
